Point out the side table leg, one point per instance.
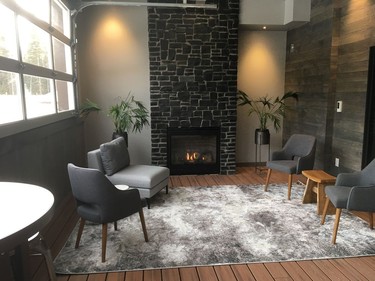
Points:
(321, 197)
(308, 196)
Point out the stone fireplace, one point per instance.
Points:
(193, 75)
(193, 150)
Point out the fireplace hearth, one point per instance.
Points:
(193, 150)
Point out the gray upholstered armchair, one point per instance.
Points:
(99, 201)
(298, 154)
(354, 192)
(112, 159)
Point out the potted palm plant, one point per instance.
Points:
(128, 115)
(267, 110)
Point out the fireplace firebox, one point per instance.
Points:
(193, 150)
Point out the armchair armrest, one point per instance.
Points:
(305, 163)
(348, 179)
(362, 198)
(94, 160)
(121, 203)
(278, 155)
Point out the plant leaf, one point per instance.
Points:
(265, 108)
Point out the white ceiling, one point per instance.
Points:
(254, 14)
(275, 14)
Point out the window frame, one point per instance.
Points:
(20, 67)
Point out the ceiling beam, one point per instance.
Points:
(82, 5)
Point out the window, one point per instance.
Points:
(10, 98)
(35, 44)
(36, 72)
(8, 47)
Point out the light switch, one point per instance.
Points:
(339, 106)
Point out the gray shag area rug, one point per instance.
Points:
(194, 226)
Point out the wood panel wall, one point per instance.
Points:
(40, 157)
(330, 64)
(357, 25)
(308, 70)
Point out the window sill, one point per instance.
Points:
(26, 125)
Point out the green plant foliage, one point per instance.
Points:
(129, 115)
(266, 108)
(87, 107)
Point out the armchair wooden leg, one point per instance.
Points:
(80, 230)
(166, 189)
(290, 178)
(115, 225)
(104, 240)
(371, 220)
(336, 226)
(326, 204)
(142, 217)
(267, 179)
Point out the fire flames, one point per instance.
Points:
(195, 156)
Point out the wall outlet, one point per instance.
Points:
(337, 162)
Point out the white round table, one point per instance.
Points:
(24, 210)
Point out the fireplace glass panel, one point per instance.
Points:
(193, 149)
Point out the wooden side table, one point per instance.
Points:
(315, 189)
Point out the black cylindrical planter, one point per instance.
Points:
(262, 136)
(124, 135)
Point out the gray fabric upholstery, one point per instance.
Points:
(338, 195)
(144, 176)
(114, 155)
(98, 200)
(94, 160)
(148, 179)
(354, 191)
(285, 166)
(298, 154)
(362, 199)
(366, 177)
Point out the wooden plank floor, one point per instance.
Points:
(357, 268)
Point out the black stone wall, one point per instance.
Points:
(193, 68)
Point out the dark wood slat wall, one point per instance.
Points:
(330, 63)
(356, 36)
(39, 156)
(308, 71)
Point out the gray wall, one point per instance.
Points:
(261, 72)
(113, 61)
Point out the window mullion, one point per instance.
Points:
(20, 68)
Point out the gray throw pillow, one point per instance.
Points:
(115, 156)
